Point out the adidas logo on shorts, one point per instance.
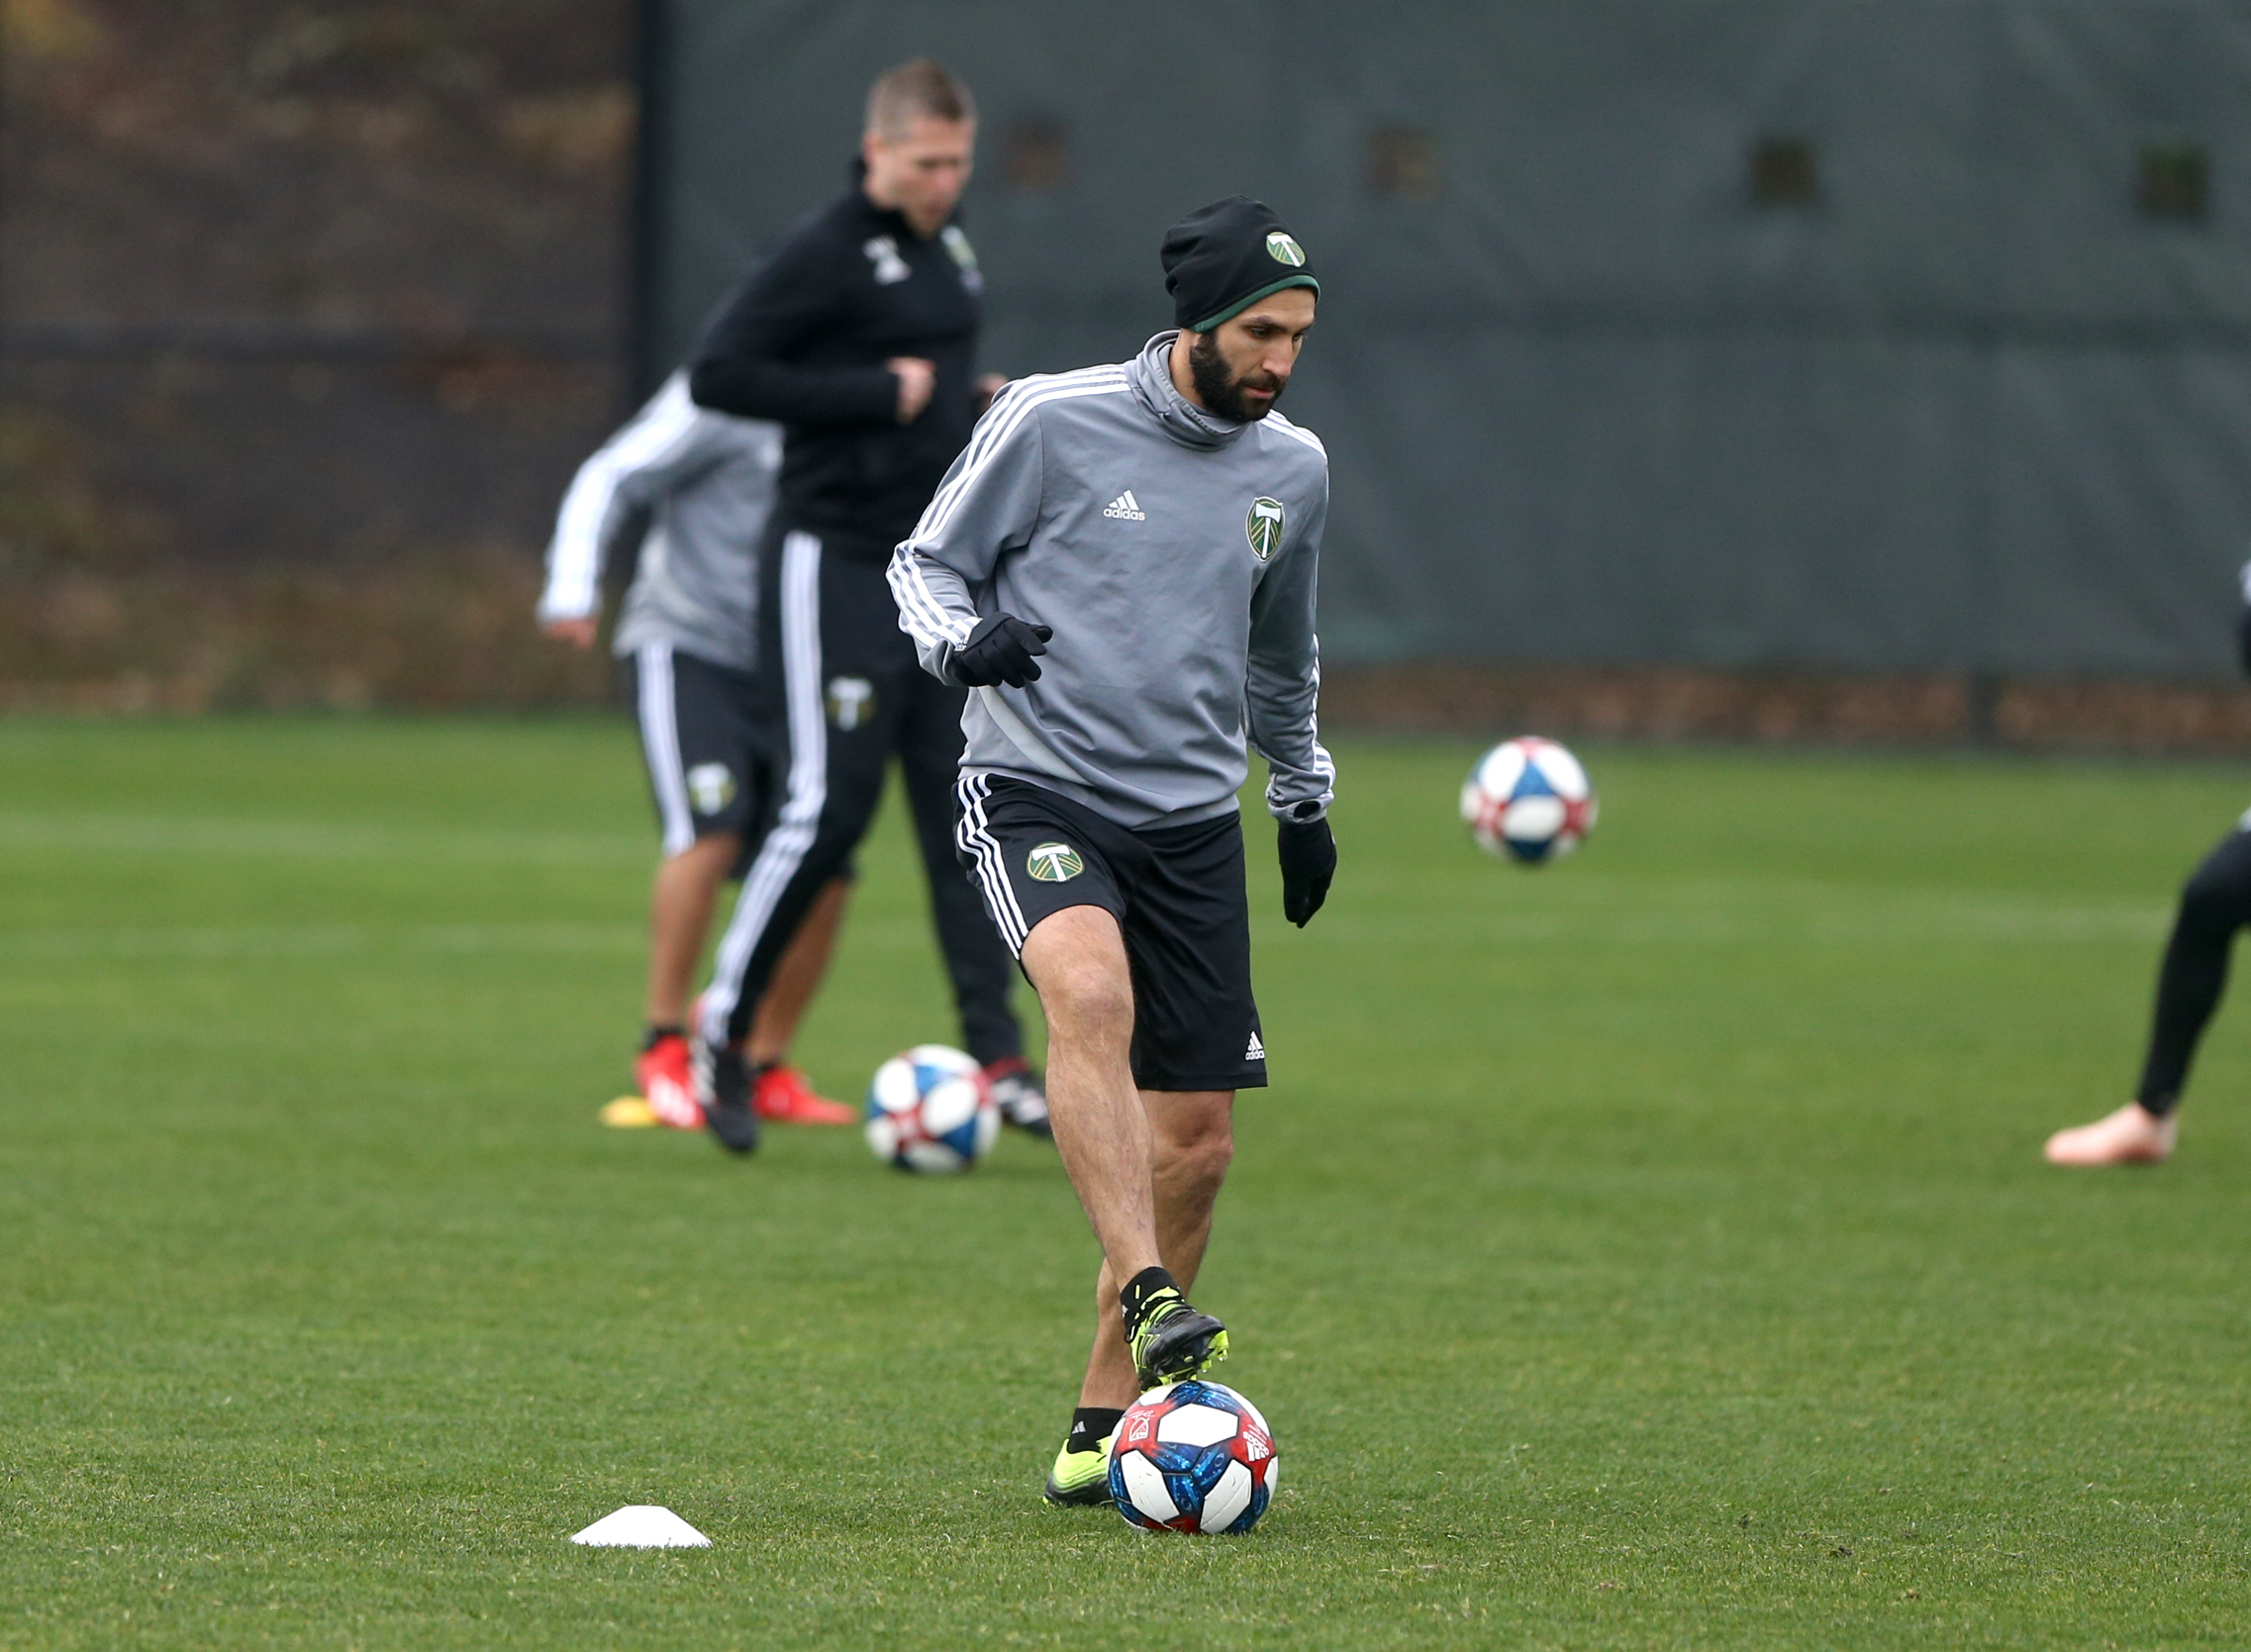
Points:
(1125, 508)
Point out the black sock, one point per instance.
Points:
(649, 1039)
(1133, 1296)
(1090, 1426)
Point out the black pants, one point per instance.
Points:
(2215, 904)
(845, 694)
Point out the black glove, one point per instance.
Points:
(1308, 861)
(1000, 650)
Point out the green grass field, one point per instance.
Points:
(1649, 1252)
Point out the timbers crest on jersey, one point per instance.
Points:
(1264, 527)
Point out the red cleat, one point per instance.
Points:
(662, 1072)
(785, 1096)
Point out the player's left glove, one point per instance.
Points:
(1308, 861)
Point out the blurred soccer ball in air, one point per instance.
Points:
(1529, 799)
(1192, 1457)
(929, 1109)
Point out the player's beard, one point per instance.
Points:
(1220, 391)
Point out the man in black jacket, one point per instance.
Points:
(858, 334)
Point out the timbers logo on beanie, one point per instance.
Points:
(1222, 258)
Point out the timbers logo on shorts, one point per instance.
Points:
(851, 701)
(711, 787)
(1054, 864)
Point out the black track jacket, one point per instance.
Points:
(802, 341)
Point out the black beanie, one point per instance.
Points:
(1222, 258)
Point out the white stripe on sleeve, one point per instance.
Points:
(575, 554)
(1003, 422)
(928, 620)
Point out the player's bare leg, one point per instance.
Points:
(1193, 1134)
(2131, 1136)
(680, 918)
(797, 976)
(1076, 962)
(783, 1093)
(1076, 959)
(681, 905)
(1192, 1141)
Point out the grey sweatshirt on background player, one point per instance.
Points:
(1174, 554)
(708, 479)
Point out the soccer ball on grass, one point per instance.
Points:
(1529, 799)
(930, 1110)
(1192, 1457)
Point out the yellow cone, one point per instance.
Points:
(628, 1113)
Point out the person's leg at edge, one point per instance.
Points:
(2215, 905)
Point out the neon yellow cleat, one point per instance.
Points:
(1173, 1341)
(1079, 1479)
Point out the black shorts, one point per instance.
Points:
(703, 734)
(1177, 893)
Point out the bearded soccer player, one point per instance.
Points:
(1121, 569)
(858, 335)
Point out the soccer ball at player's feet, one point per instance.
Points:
(1529, 799)
(930, 1110)
(1017, 1093)
(1194, 1457)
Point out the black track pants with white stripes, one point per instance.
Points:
(847, 695)
(2215, 904)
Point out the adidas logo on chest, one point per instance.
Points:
(1125, 508)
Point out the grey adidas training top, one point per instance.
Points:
(1174, 554)
(708, 478)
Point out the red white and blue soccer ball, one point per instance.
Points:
(930, 1110)
(1529, 799)
(1192, 1457)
